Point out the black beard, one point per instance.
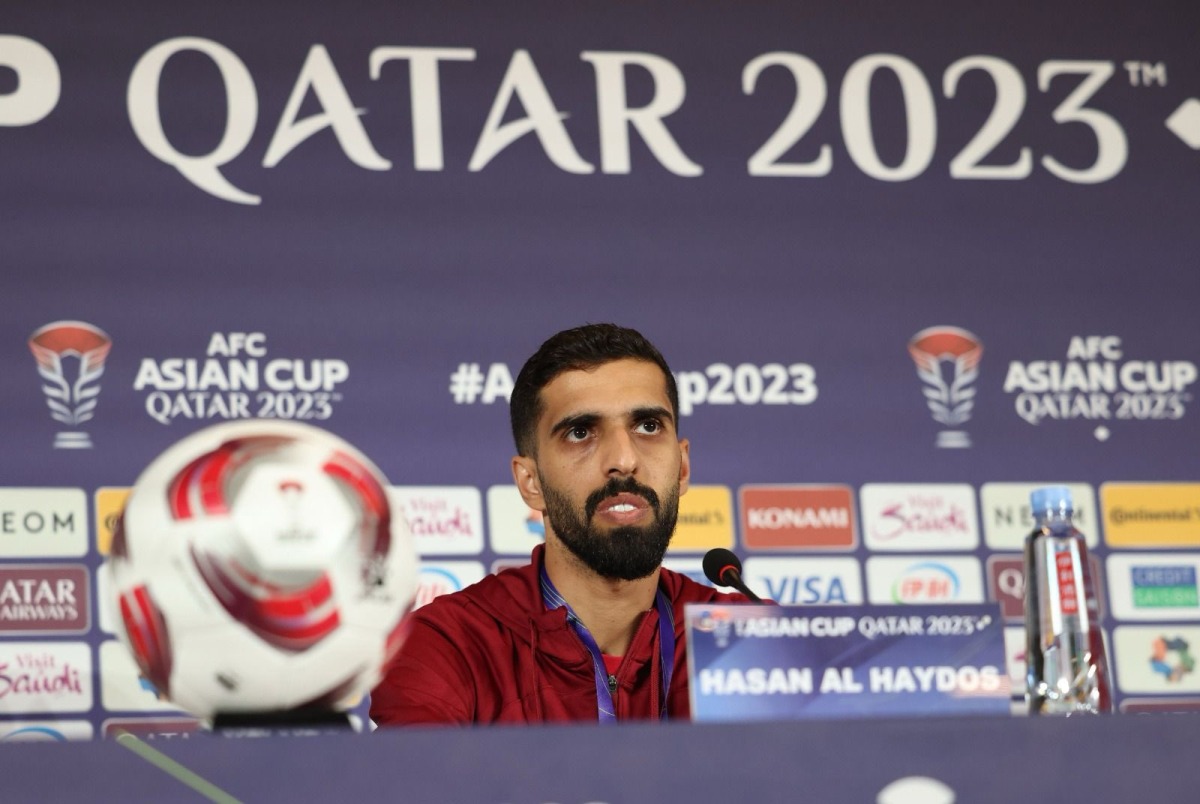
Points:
(625, 553)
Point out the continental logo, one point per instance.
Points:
(798, 517)
(110, 502)
(705, 519)
(1151, 514)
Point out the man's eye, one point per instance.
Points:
(650, 426)
(577, 434)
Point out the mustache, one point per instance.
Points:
(617, 486)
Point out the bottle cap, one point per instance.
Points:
(1051, 500)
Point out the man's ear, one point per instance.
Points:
(525, 475)
(685, 465)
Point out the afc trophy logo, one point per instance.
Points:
(947, 361)
(71, 388)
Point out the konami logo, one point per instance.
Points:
(798, 517)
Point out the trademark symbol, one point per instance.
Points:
(1146, 74)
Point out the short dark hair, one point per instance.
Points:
(583, 347)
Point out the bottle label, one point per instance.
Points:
(1068, 591)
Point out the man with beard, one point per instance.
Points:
(592, 628)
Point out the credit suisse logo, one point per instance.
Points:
(923, 579)
(444, 577)
(44, 599)
(1008, 518)
(1153, 586)
(919, 516)
(1151, 514)
(805, 581)
(798, 517)
(444, 520)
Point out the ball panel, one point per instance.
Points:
(262, 569)
(148, 637)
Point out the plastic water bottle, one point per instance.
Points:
(1066, 667)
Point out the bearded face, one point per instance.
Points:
(623, 552)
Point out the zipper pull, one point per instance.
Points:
(612, 683)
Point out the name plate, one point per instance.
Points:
(787, 662)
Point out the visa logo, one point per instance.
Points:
(803, 590)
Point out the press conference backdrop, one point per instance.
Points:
(907, 260)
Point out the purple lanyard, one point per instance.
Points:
(666, 648)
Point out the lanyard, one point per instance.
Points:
(666, 647)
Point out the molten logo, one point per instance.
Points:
(71, 396)
(435, 582)
(948, 392)
(927, 582)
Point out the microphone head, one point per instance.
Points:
(717, 562)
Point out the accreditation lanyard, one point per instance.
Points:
(666, 647)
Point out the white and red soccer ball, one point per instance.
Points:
(258, 567)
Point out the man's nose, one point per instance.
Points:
(621, 457)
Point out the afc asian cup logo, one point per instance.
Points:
(718, 623)
(947, 361)
(71, 390)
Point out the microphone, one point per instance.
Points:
(723, 568)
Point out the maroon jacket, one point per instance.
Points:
(493, 654)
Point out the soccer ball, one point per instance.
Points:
(258, 567)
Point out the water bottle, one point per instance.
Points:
(1066, 667)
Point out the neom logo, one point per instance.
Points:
(14, 522)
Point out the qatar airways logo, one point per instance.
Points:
(44, 598)
(919, 516)
(947, 360)
(70, 360)
(717, 622)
